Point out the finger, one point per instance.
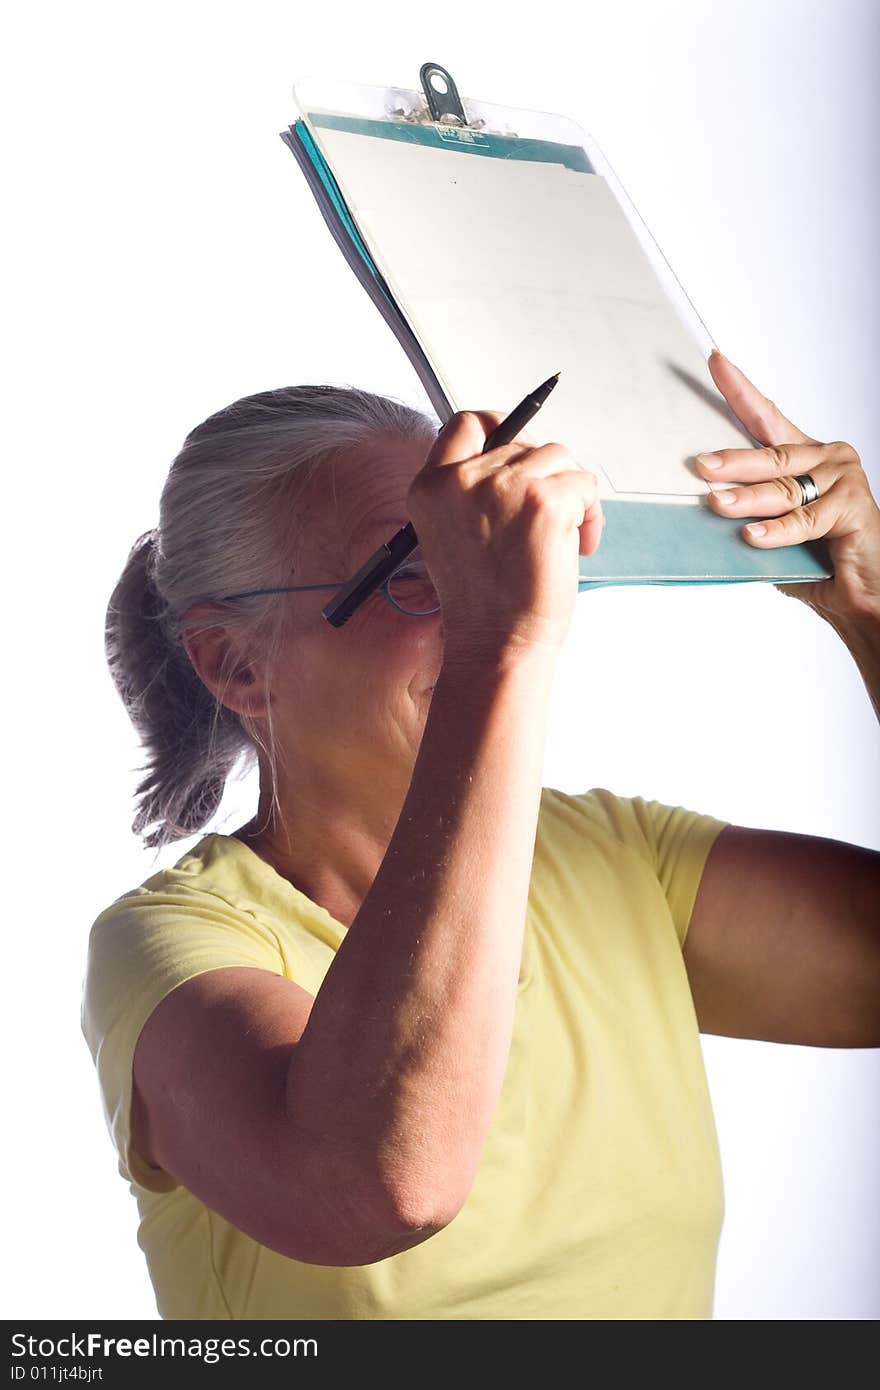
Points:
(543, 461)
(782, 460)
(557, 466)
(847, 509)
(761, 416)
(580, 491)
(463, 435)
(819, 518)
(526, 437)
(772, 498)
(522, 437)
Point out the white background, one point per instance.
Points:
(164, 257)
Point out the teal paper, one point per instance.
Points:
(690, 545)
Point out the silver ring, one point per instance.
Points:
(809, 491)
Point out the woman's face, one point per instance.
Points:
(352, 701)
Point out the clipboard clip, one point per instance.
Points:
(441, 94)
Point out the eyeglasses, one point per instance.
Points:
(409, 589)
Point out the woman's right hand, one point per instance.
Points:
(500, 534)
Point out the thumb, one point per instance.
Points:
(464, 435)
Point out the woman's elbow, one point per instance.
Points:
(358, 1225)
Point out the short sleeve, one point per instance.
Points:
(141, 948)
(677, 842)
(672, 841)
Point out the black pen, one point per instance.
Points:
(392, 554)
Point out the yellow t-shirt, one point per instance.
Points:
(599, 1193)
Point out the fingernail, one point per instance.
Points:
(709, 460)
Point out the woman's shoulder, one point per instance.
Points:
(207, 882)
(598, 814)
(610, 838)
(217, 903)
(640, 822)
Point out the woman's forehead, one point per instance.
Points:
(371, 491)
(351, 507)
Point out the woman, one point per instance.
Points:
(422, 1039)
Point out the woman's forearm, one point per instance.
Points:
(862, 637)
(401, 1063)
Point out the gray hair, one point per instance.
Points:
(227, 513)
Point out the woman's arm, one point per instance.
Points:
(407, 1044)
(784, 940)
(344, 1128)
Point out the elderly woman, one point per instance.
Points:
(421, 1040)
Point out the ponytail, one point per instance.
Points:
(192, 741)
(227, 514)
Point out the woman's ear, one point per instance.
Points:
(217, 656)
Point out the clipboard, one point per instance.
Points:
(499, 246)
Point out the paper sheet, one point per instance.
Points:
(510, 270)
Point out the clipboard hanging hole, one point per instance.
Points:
(441, 95)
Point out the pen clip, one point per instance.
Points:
(443, 99)
(371, 575)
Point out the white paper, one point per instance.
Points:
(509, 271)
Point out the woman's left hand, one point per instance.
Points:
(845, 511)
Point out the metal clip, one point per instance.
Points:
(441, 94)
